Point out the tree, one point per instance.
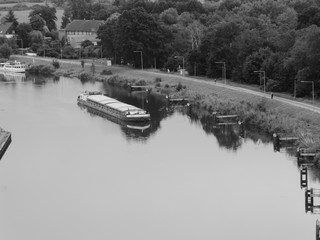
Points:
(10, 17)
(5, 51)
(80, 9)
(23, 30)
(48, 14)
(37, 22)
(66, 18)
(138, 30)
(169, 16)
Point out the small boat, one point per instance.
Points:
(112, 107)
(16, 67)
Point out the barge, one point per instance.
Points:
(5, 140)
(112, 107)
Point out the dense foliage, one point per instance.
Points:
(281, 38)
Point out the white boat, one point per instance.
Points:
(16, 67)
(112, 107)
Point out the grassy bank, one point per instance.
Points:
(267, 114)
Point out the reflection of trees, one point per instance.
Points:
(154, 104)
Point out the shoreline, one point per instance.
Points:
(5, 140)
(275, 115)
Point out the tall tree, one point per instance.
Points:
(48, 14)
(10, 17)
(139, 31)
(37, 22)
(23, 31)
(66, 18)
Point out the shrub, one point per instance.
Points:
(56, 64)
(179, 87)
(85, 77)
(158, 79)
(166, 86)
(158, 84)
(141, 83)
(106, 72)
(41, 70)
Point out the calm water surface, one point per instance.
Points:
(71, 174)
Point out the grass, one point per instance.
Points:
(268, 115)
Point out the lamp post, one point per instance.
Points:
(264, 79)
(224, 71)
(141, 58)
(312, 89)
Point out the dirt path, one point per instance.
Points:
(202, 81)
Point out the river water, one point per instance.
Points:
(72, 174)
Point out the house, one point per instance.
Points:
(6, 29)
(80, 30)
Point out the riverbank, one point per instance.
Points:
(253, 107)
(5, 140)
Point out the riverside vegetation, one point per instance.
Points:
(263, 113)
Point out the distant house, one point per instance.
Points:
(6, 29)
(80, 30)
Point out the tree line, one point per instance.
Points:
(281, 38)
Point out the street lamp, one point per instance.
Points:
(182, 63)
(141, 59)
(224, 72)
(312, 89)
(264, 79)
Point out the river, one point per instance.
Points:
(72, 174)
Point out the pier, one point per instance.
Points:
(182, 101)
(304, 177)
(284, 142)
(310, 194)
(140, 88)
(5, 140)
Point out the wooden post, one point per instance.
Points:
(317, 230)
(276, 142)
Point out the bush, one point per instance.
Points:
(158, 84)
(106, 72)
(41, 70)
(179, 87)
(56, 64)
(166, 86)
(158, 79)
(141, 83)
(85, 77)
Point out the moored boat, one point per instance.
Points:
(112, 107)
(16, 67)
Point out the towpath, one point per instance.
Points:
(202, 81)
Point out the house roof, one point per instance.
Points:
(84, 25)
(4, 27)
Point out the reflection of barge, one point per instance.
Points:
(113, 107)
(141, 126)
(5, 140)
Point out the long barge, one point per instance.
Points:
(5, 140)
(112, 107)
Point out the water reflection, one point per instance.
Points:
(12, 77)
(132, 130)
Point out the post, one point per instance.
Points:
(141, 59)
(155, 63)
(224, 72)
(264, 79)
(295, 88)
(312, 82)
